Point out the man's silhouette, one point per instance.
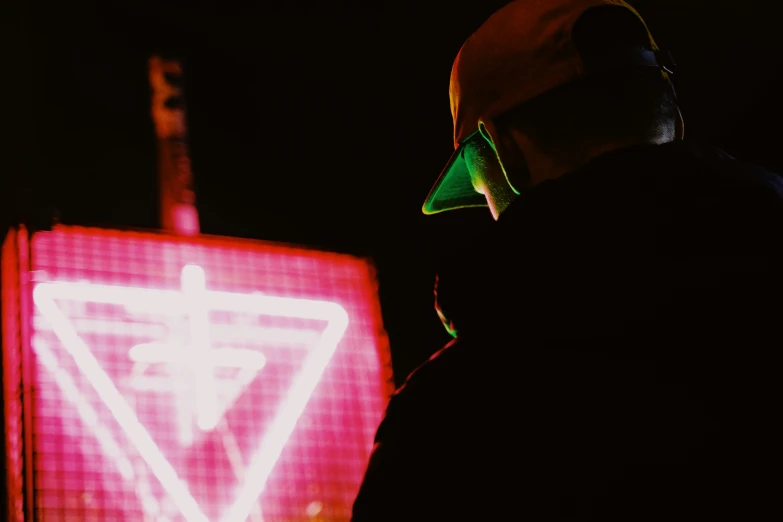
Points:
(617, 331)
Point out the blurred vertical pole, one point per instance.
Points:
(20, 92)
(178, 212)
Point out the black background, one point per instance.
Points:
(322, 123)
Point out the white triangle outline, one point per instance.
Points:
(288, 413)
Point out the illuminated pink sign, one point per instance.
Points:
(248, 390)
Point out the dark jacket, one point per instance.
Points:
(616, 356)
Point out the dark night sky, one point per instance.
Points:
(321, 123)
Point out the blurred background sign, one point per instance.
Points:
(153, 377)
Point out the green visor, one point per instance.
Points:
(453, 189)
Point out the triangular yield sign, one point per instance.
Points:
(194, 293)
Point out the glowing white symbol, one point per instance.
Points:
(273, 440)
(201, 359)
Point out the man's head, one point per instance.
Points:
(543, 87)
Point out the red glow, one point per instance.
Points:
(201, 380)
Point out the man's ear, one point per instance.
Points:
(679, 126)
(507, 151)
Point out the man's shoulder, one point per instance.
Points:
(679, 174)
(701, 159)
(444, 368)
(677, 157)
(754, 173)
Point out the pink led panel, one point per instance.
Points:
(201, 380)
